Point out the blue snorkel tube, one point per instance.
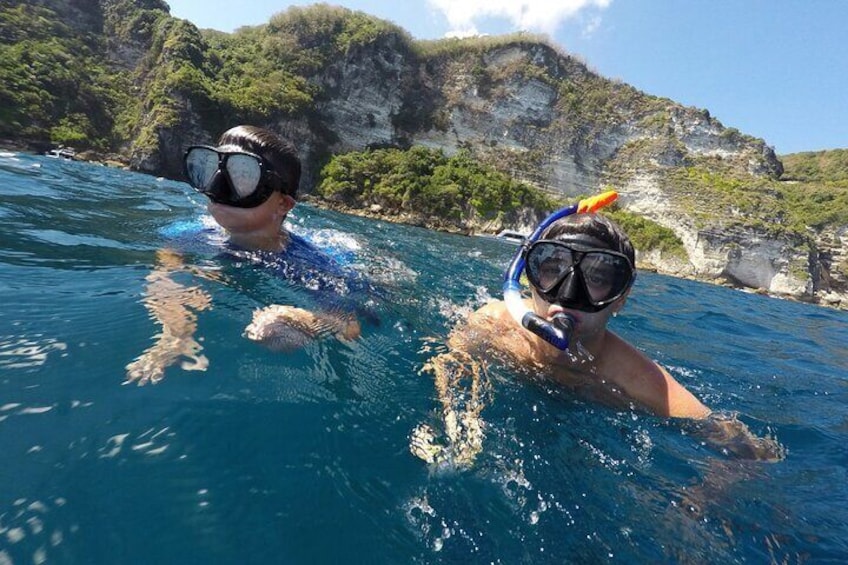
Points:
(557, 332)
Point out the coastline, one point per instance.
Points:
(831, 300)
(86, 156)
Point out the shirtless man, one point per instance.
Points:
(581, 270)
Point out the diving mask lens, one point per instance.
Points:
(603, 274)
(548, 264)
(201, 164)
(245, 172)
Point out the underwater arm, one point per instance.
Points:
(173, 306)
(461, 382)
(721, 431)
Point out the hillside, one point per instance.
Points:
(817, 166)
(124, 80)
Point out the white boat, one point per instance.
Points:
(62, 153)
(512, 235)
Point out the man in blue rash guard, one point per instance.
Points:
(251, 178)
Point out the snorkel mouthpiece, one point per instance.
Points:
(558, 331)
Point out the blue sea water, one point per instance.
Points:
(304, 457)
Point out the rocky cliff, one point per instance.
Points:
(343, 81)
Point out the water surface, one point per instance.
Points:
(304, 457)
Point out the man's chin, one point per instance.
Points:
(221, 211)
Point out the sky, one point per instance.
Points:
(776, 69)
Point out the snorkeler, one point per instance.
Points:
(251, 179)
(581, 269)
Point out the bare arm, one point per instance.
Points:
(652, 386)
(646, 382)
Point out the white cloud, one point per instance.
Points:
(591, 26)
(464, 32)
(530, 15)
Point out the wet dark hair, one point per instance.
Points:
(593, 225)
(281, 154)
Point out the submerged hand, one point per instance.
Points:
(286, 328)
(731, 436)
(149, 367)
(173, 306)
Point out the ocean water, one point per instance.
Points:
(304, 457)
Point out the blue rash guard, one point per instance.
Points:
(330, 280)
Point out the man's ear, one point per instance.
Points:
(283, 206)
(286, 204)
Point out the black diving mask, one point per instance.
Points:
(234, 178)
(577, 274)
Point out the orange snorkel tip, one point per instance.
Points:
(588, 205)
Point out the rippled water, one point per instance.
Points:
(304, 457)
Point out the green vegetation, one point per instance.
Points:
(710, 194)
(816, 205)
(773, 206)
(311, 38)
(249, 83)
(132, 21)
(54, 85)
(264, 72)
(816, 187)
(647, 235)
(176, 70)
(452, 48)
(816, 166)
(101, 74)
(426, 183)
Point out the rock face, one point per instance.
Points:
(519, 116)
(808, 268)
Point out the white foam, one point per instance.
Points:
(333, 239)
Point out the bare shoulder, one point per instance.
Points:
(622, 359)
(489, 327)
(491, 313)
